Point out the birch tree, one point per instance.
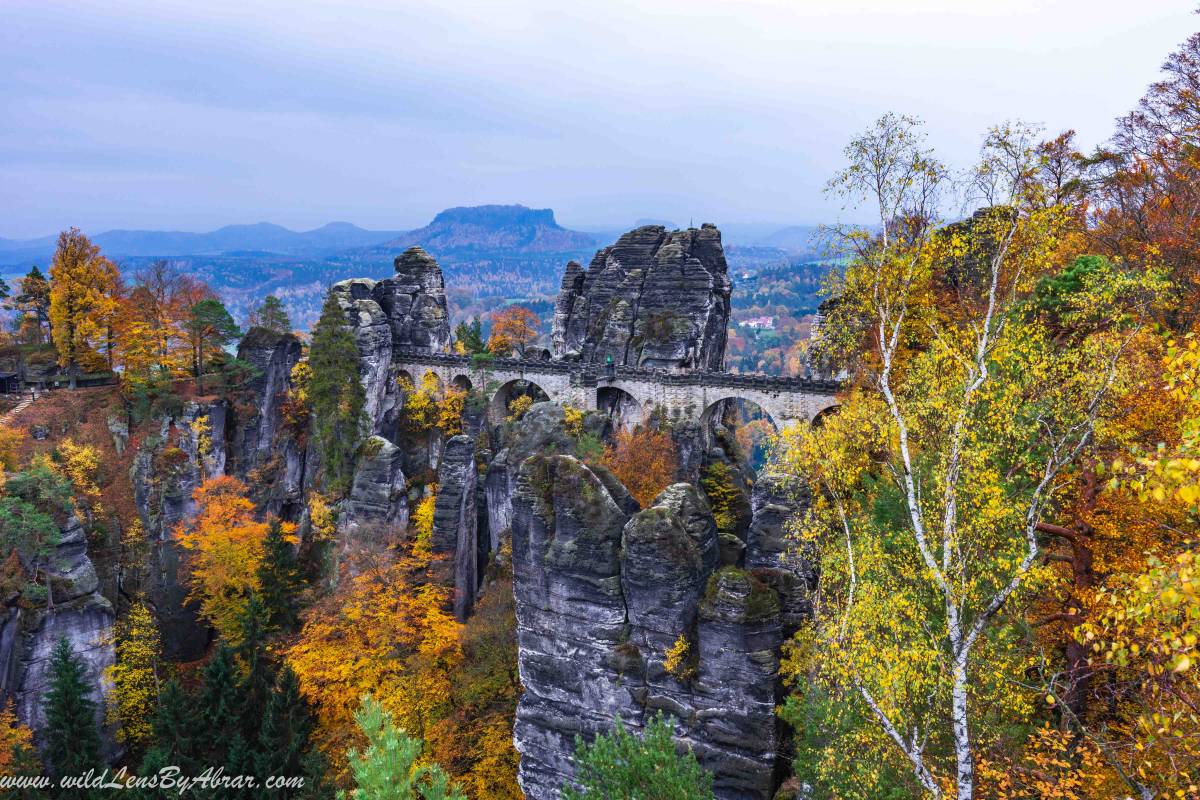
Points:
(952, 444)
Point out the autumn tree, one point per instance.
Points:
(336, 395)
(17, 754)
(83, 287)
(923, 551)
(385, 631)
(227, 544)
(134, 677)
(513, 329)
(270, 314)
(643, 460)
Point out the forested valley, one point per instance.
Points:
(408, 554)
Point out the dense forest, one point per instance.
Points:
(1000, 518)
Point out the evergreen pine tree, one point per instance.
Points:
(270, 314)
(239, 761)
(254, 689)
(622, 766)
(336, 394)
(220, 708)
(72, 738)
(283, 744)
(470, 336)
(279, 581)
(174, 739)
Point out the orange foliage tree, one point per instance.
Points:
(514, 328)
(386, 632)
(644, 460)
(227, 546)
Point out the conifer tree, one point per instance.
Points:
(621, 766)
(220, 707)
(336, 394)
(174, 740)
(468, 337)
(239, 760)
(211, 328)
(255, 686)
(279, 580)
(270, 314)
(72, 738)
(387, 769)
(32, 301)
(283, 742)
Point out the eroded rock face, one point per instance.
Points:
(737, 735)
(165, 472)
(377, 496)
(415, 302)
(273, 356)
(571, 623)
(405, 311)
(653, 299)
(541, 429)
(772, 558)
(80, 614)
(372, 332)
(456, 522)
(602, 596)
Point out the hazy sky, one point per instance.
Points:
(191, 115)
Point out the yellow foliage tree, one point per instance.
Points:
(79, 463)
(16, 745)
(450, 412)
(83, 298)
(134, 697)
(226, 543)
(386, 632)
(9, 439)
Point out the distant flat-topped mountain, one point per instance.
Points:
(513, 228)
(262, 237)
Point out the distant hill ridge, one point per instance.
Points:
(514, 228)
(495, 227)
(266, 237)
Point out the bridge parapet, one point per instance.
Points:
(691, 393)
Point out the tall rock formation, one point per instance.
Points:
(273, 355)
(456, 544)
(166, 470)
(654, 299)
(602, 596)
(406, 311)
(79, 613)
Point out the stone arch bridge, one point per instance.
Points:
(636, 393)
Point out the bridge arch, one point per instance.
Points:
(820, 417)
(715, 407)
(509, 391)
(462, 383)
(622, 407)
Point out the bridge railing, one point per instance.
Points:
(593, 374)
